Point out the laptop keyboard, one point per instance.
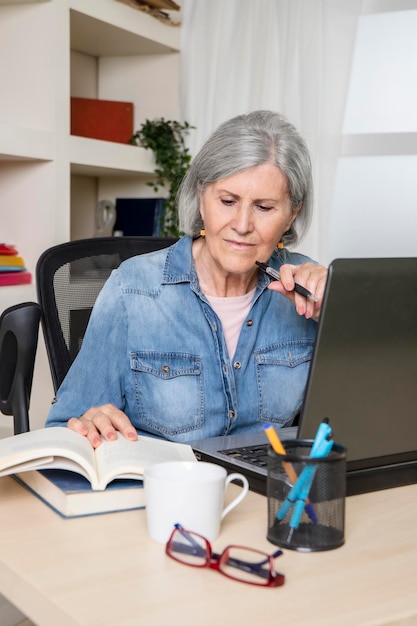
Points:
(255, 455)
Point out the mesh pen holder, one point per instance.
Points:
(319, 521)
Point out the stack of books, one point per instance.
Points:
(12, 267)
(63, 470)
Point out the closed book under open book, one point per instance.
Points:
(71, 495)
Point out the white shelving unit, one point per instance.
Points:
(50, 181)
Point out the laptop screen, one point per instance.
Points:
(363, 374)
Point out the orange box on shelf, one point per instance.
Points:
(102, 119)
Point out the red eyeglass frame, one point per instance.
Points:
(215, 561)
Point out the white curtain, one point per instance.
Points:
(292, 56)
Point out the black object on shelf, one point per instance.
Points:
(139, 216)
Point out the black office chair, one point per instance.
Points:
(19, 330)
(69, 278)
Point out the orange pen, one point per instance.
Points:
(277, 447)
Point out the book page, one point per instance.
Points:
(30, 465)
(128, 459)
(58, 442)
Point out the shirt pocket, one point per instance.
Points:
(169, 391)
(282, 372)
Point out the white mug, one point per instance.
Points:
(188, 493)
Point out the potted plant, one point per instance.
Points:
(166, 138)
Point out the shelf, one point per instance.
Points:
(18, 143)
(92, 157)
(51, 181)
(110, 28)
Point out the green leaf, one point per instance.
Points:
(166, 138)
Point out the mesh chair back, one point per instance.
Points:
(69, 278)
(19, 329)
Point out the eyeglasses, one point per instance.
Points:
(237, 562)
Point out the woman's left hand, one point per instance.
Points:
(311, 276)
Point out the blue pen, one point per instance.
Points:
(304, 480)
(292, 497)
(322, 450)
(277, 446)
(299, 492)
(324, 432)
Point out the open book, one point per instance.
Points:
(61, 448)
(64, 471)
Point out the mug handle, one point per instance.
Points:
(240, 496)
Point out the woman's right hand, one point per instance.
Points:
(103, 422)
(309, 275)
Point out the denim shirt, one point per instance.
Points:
(155, 349)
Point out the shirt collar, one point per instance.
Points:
(179, 266)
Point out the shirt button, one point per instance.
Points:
(237, 365)
(249, 323)
(231, 414)
(165, 369)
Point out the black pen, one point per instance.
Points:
(267, 269)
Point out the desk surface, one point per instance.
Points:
(103, 570)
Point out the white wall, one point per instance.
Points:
(374, 210)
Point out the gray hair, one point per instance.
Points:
(239, 144)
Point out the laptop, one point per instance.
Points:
(362, 377)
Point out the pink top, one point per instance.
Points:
(232, 312)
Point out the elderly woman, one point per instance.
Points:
(194, 341)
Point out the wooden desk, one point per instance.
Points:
(104, 571)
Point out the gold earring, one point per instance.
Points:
(202, 232)
(280, 245)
